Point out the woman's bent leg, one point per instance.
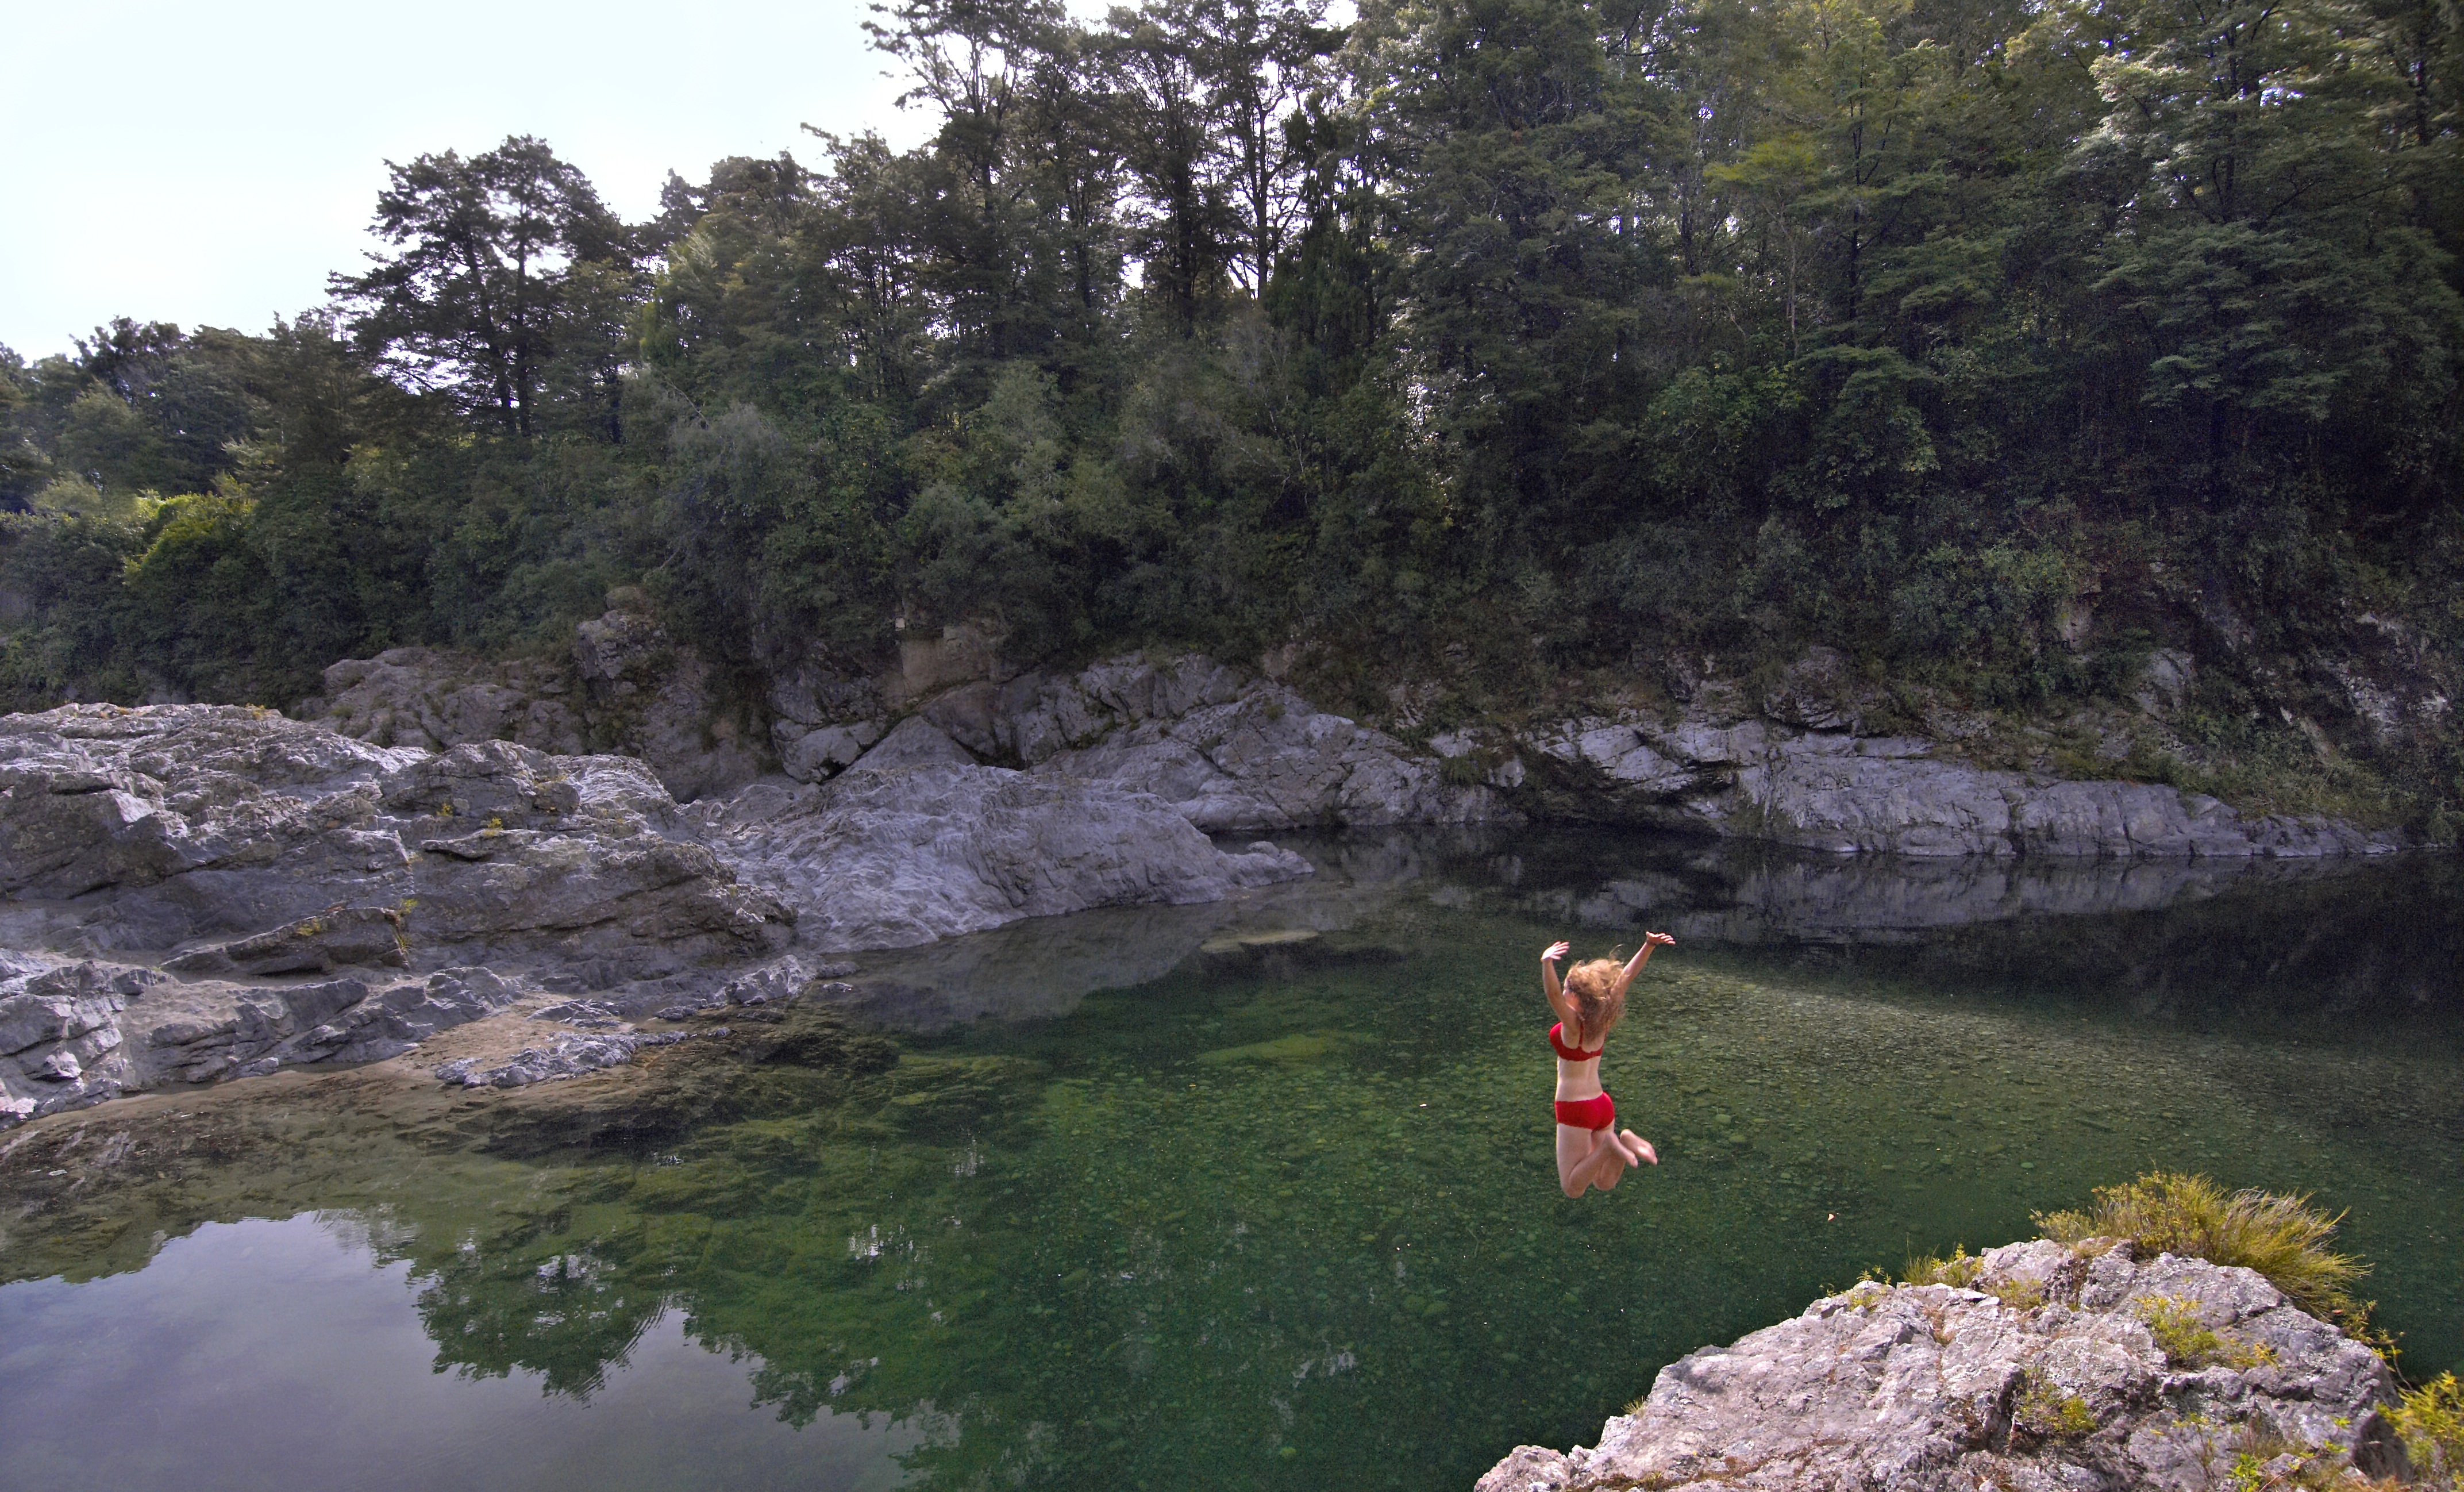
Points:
(1588, 1158)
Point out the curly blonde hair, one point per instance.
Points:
(1599, 1004)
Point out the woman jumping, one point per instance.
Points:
(1590, 1152)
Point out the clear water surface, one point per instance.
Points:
(1262, 1196)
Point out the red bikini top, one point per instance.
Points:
(1557, 1040)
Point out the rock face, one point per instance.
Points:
(432, 699)
(1800, 762)
(1229, 751)
(625, 686)
(891, 856)
(2061, 1369)
(652, 699)
(1830, 790)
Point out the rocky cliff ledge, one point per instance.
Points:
(1805, 762)
(2063, 1370)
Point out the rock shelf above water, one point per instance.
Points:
(159, 866)
(2053, 1373)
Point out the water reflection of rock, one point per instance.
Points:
(1040, 969)
(1747, 899)
(1717, 895)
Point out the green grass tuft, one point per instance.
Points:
(2430, 1422)
(1958, 1271)
(2282, 1238)
(2047, 1412)
(2186, 1341)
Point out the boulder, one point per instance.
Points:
(2053, 1368)
(915, 742)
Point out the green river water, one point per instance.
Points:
(1262, 1196)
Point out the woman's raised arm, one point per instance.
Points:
(1548, 985)
(1641, 957)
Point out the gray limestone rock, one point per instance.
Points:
(888, 858)
(915, 742)
(1836, 792)
(658, 702)
(1228, 752)
(232, 847)
(624, 683)
(2045, 1374)
(809, 755)
(227, 845)
(338, 937)
(434, 698)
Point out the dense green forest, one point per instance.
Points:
(1534, 333)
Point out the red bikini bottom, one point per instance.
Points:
(1596, 1113)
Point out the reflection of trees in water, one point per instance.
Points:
(810, 1243)
(566, 1316)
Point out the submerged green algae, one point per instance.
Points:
(1288, 1216)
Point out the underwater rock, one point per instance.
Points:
(567, 1056)
(2051, 1372)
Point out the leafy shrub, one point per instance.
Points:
(2281, 1238)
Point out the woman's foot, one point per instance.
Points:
(1607, 1160)
(1637, 1150)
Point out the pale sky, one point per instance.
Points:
(210, 163)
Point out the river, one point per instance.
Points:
(1261, 1195)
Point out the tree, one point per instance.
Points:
(489, 250)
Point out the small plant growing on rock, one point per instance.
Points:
(1966, 1271)
(2047, 1412)
(1959, 1271)
(2017, 1294)
(2283, 1237)
(2187, 1342)
(2430, 1422)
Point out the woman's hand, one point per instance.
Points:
(1556, 950)
(1660, 939)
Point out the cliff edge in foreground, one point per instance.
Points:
(2066, 1368)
